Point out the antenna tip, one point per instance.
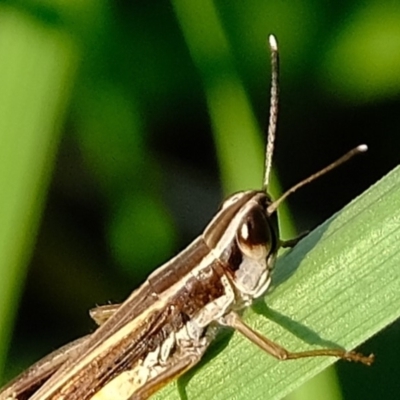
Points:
(362, 148)
(273, 43)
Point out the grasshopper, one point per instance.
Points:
(165, 326)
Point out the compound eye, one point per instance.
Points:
(254, 235)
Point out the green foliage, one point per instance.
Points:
(35, 80)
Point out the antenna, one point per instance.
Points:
(273, 108)
(362, 148)
(273, 117)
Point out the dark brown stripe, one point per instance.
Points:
(200, 290)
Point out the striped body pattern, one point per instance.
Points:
(172, 318)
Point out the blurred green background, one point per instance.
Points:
(108, 116)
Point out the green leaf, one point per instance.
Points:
(338, 287)
(37, 64)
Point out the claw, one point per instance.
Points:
(358, 357)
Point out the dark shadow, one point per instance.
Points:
(299, 330)
(287, 266)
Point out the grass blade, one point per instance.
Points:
(35, 71)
